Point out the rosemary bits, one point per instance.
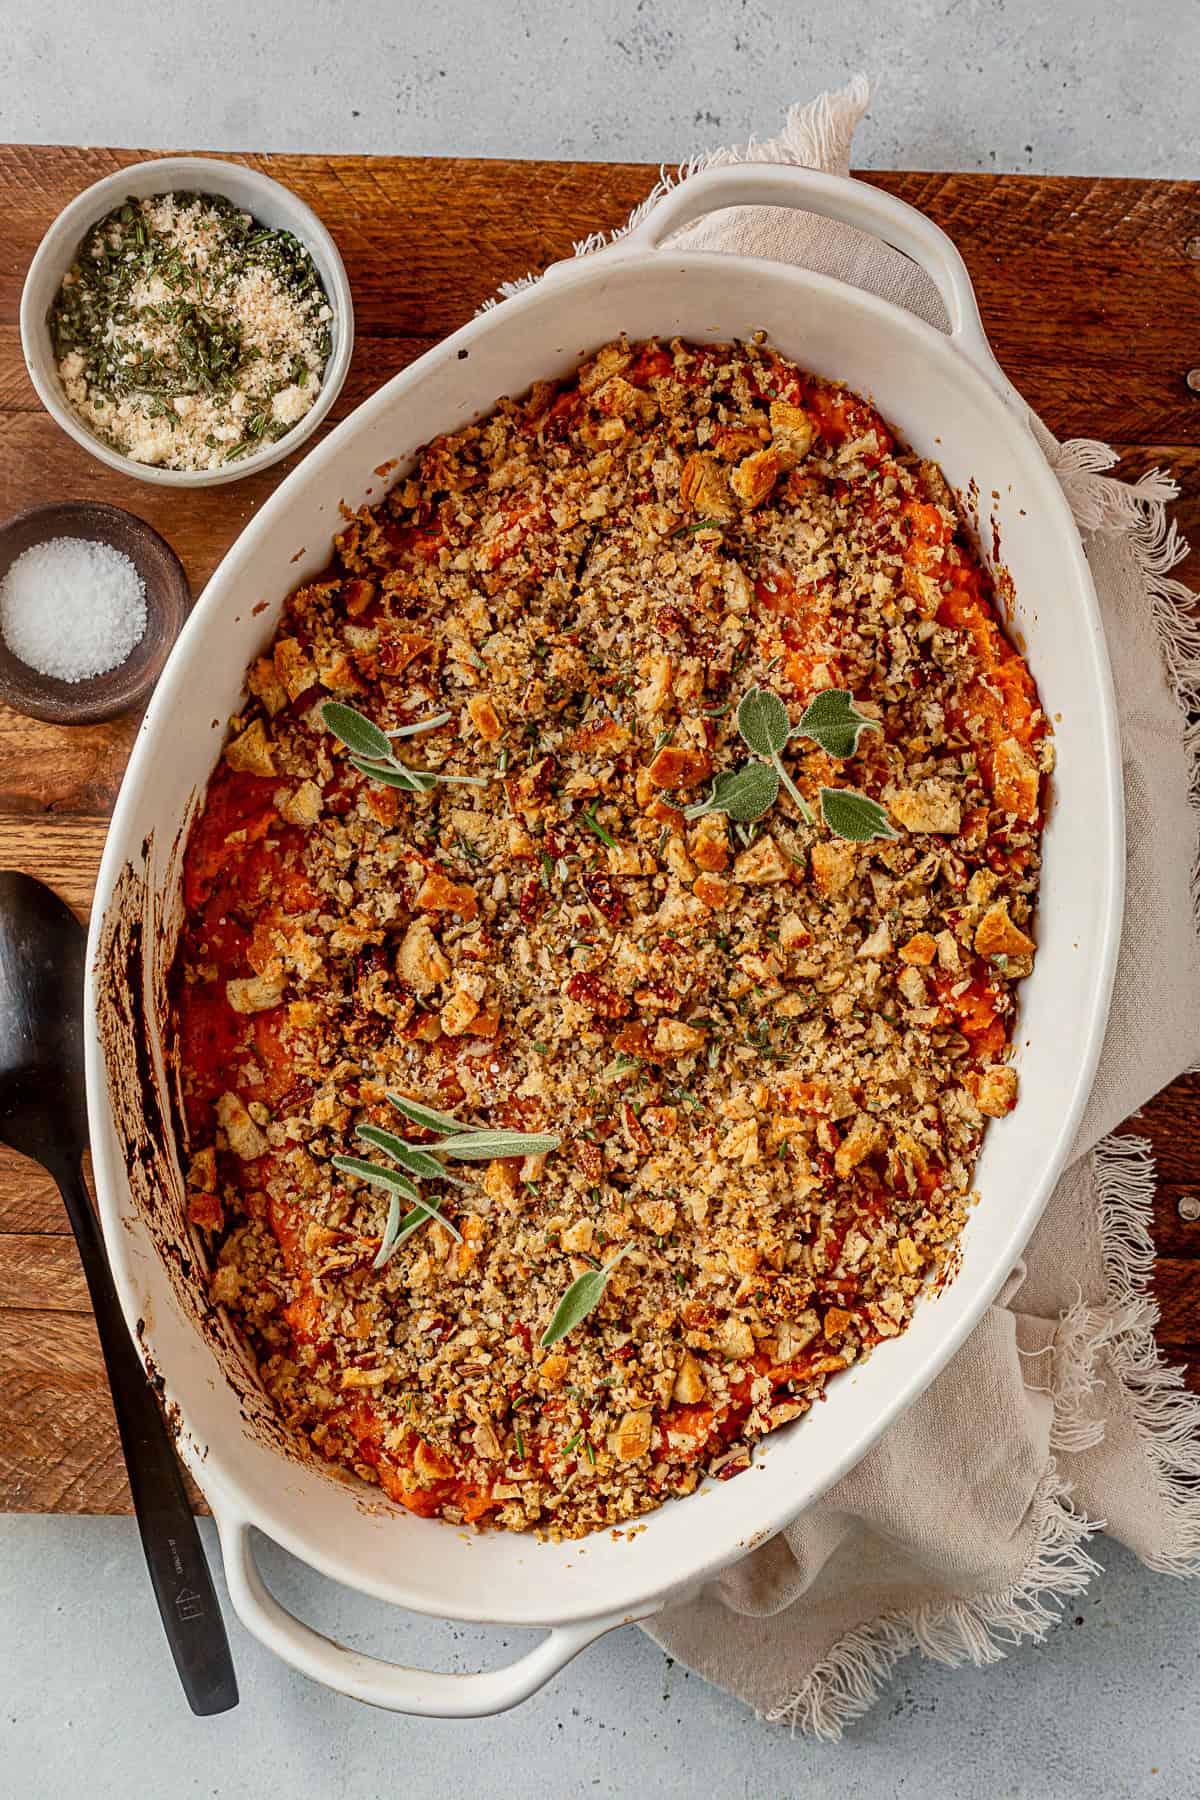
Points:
(186, 335)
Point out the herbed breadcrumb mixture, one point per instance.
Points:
(770, 1052)
(187, 335)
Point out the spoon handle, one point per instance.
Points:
(179, 1570)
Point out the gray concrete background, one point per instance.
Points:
(1051, 86)
(89, 1705)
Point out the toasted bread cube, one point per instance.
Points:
(712, 890)
(761, 864)
(202, 1170)
(735, 1339)
(251, 994)
(674, 767)
(483, 715)
(996, 935)
(301, 805)
(932, 807)
(245, 1139)
(703, 488)
(1016, 780)
(833, 866)
(994, 1090)
(631, 1439)
(688, 1386)
(864, 1136)
(293, 668)
(421, 963)
(438, 894)
(793, 433)
(710, 842)
(250, 753)
(754, 478)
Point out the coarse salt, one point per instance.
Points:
(72, 609)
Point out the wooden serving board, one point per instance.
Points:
(1090, 291)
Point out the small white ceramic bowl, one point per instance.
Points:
(269, 203)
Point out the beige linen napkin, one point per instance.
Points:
(966, 1527)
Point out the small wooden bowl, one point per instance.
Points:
(168, 602)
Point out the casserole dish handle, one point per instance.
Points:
(425, 1692)
(839, 197)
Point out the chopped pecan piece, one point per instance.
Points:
(588, 990)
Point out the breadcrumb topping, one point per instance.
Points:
(770, 1053)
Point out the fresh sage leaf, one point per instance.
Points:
(409, 781)
(426, 1116)
(397, 1184)
(420, 725)
(834, 722)
(762, 720)
(358, 734)
(417, 1162)
(743, 794)
(583, 1294)
(376, 1173)
(391, 1233)
(398, 1229)
(854, 816)
(482, 1146)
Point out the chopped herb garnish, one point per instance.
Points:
(593, 824)
(745, 794)
(420, 1161)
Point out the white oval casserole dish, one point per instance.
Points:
(948, 398)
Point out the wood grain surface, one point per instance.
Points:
(1090, 291)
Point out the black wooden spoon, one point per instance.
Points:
(43, 1115)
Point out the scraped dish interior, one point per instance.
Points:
(944, 410)
(750, 1024)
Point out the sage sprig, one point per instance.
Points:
(584, 1293)
(372, 755)
(421, 1163)
(832, 721)
(399, 1225)
(763, 724)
